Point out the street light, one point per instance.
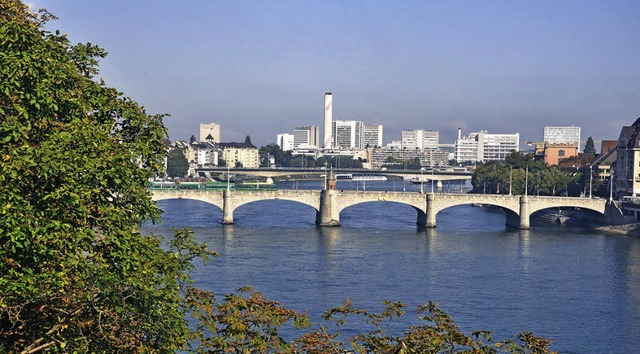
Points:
(324, 186)
(590, 179)
(611, 187)
(431, 179)
(526, 180)
(510, 178)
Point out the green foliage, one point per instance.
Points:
(282, 159)
(75, 155)
(589, 147)
(518, 171)
(247, 140)
(248, 323)
(177, 163)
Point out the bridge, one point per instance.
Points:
(329, 203)
(424, 176)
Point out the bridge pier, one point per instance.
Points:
(227, 209)
(431, 211)
(329, 214)
(524, 213)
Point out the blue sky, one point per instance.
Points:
(260, 68)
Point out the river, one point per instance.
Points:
(577, 286)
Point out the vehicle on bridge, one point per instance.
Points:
(215, 185)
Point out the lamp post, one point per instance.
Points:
(510, 178)
(228, 170)
(526, 180)
(324, 186)
(421, 179)
(611, 187)
(590, 180)
(431, 179)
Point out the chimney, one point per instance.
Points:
(328, 119)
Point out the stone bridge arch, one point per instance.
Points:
(346, 199)
(239, 198)
(540, 203)
(438, 202)
(211, 197)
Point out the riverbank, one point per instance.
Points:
(624, 229)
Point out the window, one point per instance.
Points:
(561, 153)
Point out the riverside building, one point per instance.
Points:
(483, 146)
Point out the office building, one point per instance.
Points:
(562, 135)
(373, 135)
(348, 134)
(285, 141)
(306, 137)
(482, 147)
(420, 139)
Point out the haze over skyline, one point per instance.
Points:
(262, 68)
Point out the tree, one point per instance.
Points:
(246, 322)
(177, 163)
(247, 140)
(589, 147)
(75, 156)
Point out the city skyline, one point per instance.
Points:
(260, 68)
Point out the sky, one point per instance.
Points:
(260, 68)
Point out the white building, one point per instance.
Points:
(348, 134)
(373, 135)
(420, 139)
(206, 154)
(562, 135)
(306, 137)
(482, 147)
(211, 131)
(285, 141)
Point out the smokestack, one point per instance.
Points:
(328, 118)
(459, 133)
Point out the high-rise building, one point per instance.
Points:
(306, 137)
(285, 141)
(562, 135)
(482, 146)
(210, 132)
(420, 139)
(348, 134)
(373, 135)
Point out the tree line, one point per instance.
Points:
(519, 172)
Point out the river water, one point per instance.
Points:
(577, 286)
